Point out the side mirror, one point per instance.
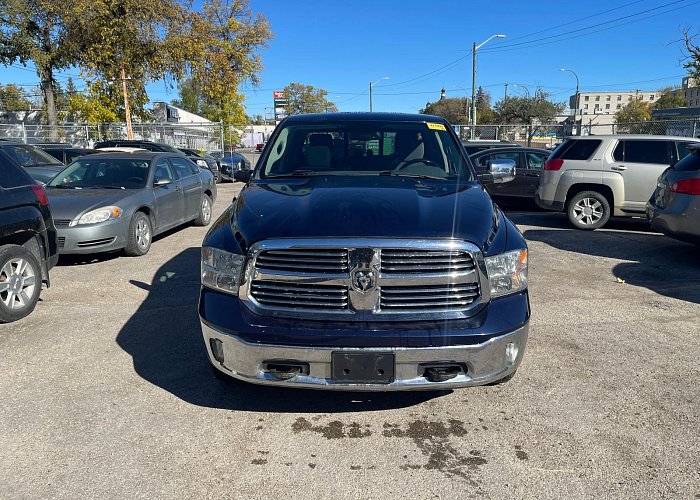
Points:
(162, 182)
(243, 175)
(502, 171)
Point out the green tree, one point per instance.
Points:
(452, 109)
(14, 98)
(484, 114)
(307, 99)
(635, 111)
(531, 110)
(193, 98)
(39, 31)
(95, 105)
(670, 99)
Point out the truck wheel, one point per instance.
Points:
(204, 216)
(140, 235)
(588, 210)
(20, 282)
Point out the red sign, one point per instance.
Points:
(278, 94)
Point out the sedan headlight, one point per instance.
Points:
(221, 270)
(507, 272)
(202, 163)
(99, 215)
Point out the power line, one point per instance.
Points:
(557, 38)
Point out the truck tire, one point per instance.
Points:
(588, 210)
(140, 235)
(20, 282)
(204, 217)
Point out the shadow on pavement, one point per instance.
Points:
(659, 263)
(165, 341)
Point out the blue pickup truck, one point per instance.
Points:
(364, 254)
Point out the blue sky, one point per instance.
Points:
(425, 45)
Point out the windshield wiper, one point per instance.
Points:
(412, 176)
(105, 187)
(295, 173)
(63, 186)
(45, 164)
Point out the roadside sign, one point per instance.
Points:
(279, 104)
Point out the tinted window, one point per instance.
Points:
(682, 150)
(690, 163)
(619, 153)
(365, 148)
(164, 171)
(11, 176)
(115, 173)
(576, 149)
(29, 156)
(646, 152)
(182, 167)
(502, 156)
(535, 161)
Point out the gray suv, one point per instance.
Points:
(594, 177)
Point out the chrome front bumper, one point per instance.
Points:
(487, 362)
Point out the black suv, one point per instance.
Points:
(28, 245)
(203, 160)
(65, 153)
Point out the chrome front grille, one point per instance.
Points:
(304, 260)
(365, 278)
(409, 261)
(62, 222)
(450, 297)
(301, 295)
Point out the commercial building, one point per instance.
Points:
(609, 103)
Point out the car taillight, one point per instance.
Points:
(686, 186)
(553, 164)
(40, 193)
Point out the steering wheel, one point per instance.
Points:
(430, 163)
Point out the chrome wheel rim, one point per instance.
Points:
(588, 211)
(17, 283)
(206, 209)
(143, 235)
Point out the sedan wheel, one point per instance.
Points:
(588, 210)
(20, 282)
(204, 216)
(140, 235)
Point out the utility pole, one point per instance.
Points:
(476, 47)
(370, 97)
(505, 92)
(127, 112)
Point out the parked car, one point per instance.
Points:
(390, 269)
(113, 201)
(38, 164)
(260, 146)
(674, 208)
(529, 163)
(475, 145)
(66, 154)
(232, 162)
(204, 161)
(594, 177)
(28, 245)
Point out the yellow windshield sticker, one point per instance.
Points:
(436, 126)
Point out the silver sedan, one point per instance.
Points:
(112, 201)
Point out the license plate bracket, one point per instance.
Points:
(363, 368)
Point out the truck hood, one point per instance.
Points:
(69, 203)
(389, 207)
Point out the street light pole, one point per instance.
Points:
(576, 103)
(127, 111)
(370, 90)
(476, 47)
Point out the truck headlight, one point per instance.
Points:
(202, 163)
(221, 270)
(507, 272)
(99, 215)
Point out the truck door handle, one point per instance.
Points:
(619, 168)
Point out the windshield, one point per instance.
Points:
(29, 156)
(424, 150)
(107, 173)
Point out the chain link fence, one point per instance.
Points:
(203, 136)
(215, 136)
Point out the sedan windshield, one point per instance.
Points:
(106, 173)
(29, 156)
(421, 150)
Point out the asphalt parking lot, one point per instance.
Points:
(105, 391)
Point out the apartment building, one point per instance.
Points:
(690, 91)
(609, 103)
